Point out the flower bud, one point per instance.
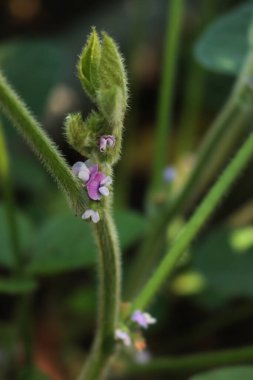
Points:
(88, 65)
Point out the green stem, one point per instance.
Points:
(109, 276)
(217, 145)
(192, 228)
(175, 12)
(9, 200)
(191, 110)
(196, 362)
(48, 153)
(194, 88)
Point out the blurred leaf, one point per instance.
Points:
(188, 283)
(33, 67)
(33, 374)
(15, 285)
(82, 301)
(225, 259)
(25, 232)
(65, 242)
(211, 299)
(131, 226)
(28, 173)
(37, 375)
(224, 44)
(8, 335)
(233, 373)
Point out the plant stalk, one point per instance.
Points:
(165, 102)
(196, 362)
(194, 225)
(97, 364)
(9, 201)
(216, 147)
(14, 108)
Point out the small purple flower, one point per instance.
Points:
(83, 170)
(106, 141)
(80, 170)
(142, 319)
(98, 185)
(92, 215)
(169, 174)
(123, 336)
(97, 182)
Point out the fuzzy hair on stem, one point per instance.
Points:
(44, 148)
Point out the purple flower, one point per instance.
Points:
(83, 170)
(169, 174)
(98, 185)
(123, 336)
(142, 319)
(97, 182)
(106, 141)
(92, 215)
(80, 170)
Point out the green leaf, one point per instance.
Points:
(230, 373)
(131, 226)
(224, 44)
(225, 259)
(33, 67)
(89, 63)
(24, 169)
(65, 242)
(15, 285)
(25, 231)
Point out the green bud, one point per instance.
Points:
(83, 135)
(111, 69)
(110, 103)
(74, 130)
(88, 65)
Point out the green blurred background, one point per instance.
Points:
(208, 303)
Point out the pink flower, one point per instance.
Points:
(83, 170)
(143, 319)
(98, 185)
(92, 215)
(97, 182)
(106, 141)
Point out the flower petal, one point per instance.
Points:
(104, 191)
(77, 167)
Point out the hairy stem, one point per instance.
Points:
(9, 201)
(196, 362)
(216, 147)
(175, 12)
(109, 276)
(192, 228)
(44, 148)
